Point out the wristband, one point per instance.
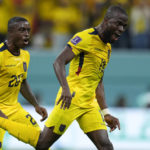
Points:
(105, 111)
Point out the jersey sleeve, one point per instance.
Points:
(78, 43)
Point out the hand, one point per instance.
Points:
(42, 111)
(112, 122)
(65, 98)
(3, 115)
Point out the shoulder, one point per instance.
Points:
(3, 47)
(81, 41)
(82, 37)
(25, 52)
(109, 46)
(85, 33)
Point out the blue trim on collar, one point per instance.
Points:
(4, 47)
(95, 32)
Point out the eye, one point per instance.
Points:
(21, 29)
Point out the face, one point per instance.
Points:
(21, 34)
(115, 26)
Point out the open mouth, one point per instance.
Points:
(26, 41)
(116, 36)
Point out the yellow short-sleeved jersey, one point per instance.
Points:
(87, 67)
(13, 70)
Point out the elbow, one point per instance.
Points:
(56, 64)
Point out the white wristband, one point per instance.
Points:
(105, 111)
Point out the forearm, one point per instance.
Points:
(59, 66)
(27, 93)
(100, 96)
(60, 72)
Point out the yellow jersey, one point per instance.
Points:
(13, 70)
(87, 67)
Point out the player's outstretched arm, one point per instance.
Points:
(59, 66)
(111, 121)
(29, 96)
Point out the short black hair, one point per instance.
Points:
(15, 20)
(114, 8)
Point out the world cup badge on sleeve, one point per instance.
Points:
(76, 40)
(24, 66)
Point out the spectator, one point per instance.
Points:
(4, 17)
(66, 19)
(121, 101)
(140, 24)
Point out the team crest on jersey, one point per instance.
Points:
(76, 40)
(62, 127)
(24, 66)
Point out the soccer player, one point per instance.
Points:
(89, 52)
(14, 62)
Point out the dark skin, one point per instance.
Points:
(113, 27)
(28, 95)
(109, 31)
(18, 37)
(111, 121)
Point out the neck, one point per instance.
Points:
(12, 48)
(101, 33)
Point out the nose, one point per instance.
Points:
(27, 33)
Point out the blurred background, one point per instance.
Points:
(127, 76)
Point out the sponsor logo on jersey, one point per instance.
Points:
(76, 40)
(10, 65)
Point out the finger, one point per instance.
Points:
(45, 112)
(59, 100)
(112, 129)
(118, 124)
(109, 126)
(63, 101)
(43, 118)
(67, 103)
(41, 113)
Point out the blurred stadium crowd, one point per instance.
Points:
(53, 22)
